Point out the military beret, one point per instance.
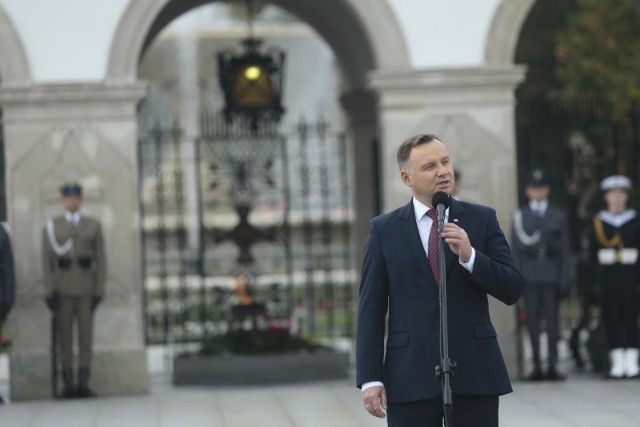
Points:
(71, 189)
(537, 178)
(620, 182)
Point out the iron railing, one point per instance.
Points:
(244, 200)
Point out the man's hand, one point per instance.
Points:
(457, 240)
(52, 302)
(375, 401)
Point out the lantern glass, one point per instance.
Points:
(252, 87)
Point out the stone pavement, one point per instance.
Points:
(581, 401)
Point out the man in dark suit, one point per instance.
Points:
(7, 275)
(541, 249)
(7, 282)
(398, 282)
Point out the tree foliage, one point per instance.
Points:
(598, 52)
(536, 47)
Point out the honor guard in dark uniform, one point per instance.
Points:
(614, 245)
(541, 249)
(7, 281)
(7, 275)
(74, 277)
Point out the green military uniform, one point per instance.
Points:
(74, 277)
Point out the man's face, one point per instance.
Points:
(616, 200)
(428, 171)
(537, 194)
(71, 203)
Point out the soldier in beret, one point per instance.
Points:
(614, 244)
(74, 276)
(541, 249)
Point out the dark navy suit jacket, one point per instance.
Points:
(397, 280)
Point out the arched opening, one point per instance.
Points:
(363, 37)
(572, 121)
(14, 71)
(14, 66)
(230, 199)
(320, 280)
(568, 119)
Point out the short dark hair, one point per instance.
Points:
(409, 144)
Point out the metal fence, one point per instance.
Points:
(257, 203)
(580, 141)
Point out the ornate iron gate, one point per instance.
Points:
(579, 141)
(235, 204)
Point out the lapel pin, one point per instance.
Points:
(455, 220)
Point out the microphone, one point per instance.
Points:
(440, 201)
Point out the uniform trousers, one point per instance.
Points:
(620, 314)
(468, 411)
(75, 312)
(536, 297)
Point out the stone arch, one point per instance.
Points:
(363, 37)
(14, 66)
(505, 31)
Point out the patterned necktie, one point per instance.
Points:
(434, 248)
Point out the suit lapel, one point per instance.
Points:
(63, 229)
(456, 216)
(530, 220)
(412, 238)
(409, 230)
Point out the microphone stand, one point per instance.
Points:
(444, 371)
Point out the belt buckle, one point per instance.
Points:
(542, 251)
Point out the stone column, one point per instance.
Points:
(85, 132)
(361, 108)
(472, 111)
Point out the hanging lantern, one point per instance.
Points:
(252, 82)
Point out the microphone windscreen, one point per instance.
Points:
(440, 198)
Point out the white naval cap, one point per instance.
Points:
(615, 181)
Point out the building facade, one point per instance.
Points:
(69, 94)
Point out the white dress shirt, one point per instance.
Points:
(539, 207)
(73, 217)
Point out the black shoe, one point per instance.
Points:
(68, 391)
(85, 393)
(553, 375)
(83, 384)
(536, 375)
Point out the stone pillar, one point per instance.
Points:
(472, 111)
(86, 132)
(361, 108)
